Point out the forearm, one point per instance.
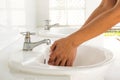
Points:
(104, 6)
(97, 26)
(95, 13)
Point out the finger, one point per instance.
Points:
(53, 47)
(54, 56)
(54, 53)
(63, 62)
(57, 62)
(51, 63)
(69, 63)
(51, 59)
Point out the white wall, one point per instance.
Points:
(30, 9)
(91, 5)
(42, 11)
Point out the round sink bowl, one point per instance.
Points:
(90, 61)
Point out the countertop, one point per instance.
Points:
(113, 44)
(6, 73)
(8, 36)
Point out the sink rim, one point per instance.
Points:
(45, 67)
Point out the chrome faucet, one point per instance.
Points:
(28, 45)
(48, 26)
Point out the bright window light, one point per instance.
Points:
(17, 4)
(12, 13)
(2, 4)
(67, 12)
(18, 18)
(3, 17)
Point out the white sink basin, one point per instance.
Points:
(58, 31)
(90, 61)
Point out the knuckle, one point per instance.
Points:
(55, 42)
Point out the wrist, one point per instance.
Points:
(74, 40)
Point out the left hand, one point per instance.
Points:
(63, 53)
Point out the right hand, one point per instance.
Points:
(63, 53)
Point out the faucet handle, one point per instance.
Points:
(27, 36)
(27, 33)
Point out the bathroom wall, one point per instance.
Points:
(42, 12)
(31, 14)
(91, 5)
(16, 16)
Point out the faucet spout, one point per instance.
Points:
(29, 46)
(48, 26)
(35, 44)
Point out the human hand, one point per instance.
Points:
(63, 53)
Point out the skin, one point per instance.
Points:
(63, 51)
(104, 5)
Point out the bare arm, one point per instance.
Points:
(104, 6)
(97, 26)
(63, 51)
(96, 12)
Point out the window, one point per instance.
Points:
(12, 13)
(67, 12)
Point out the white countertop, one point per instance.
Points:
(113, 72)
(7, 37)
(112, 44)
